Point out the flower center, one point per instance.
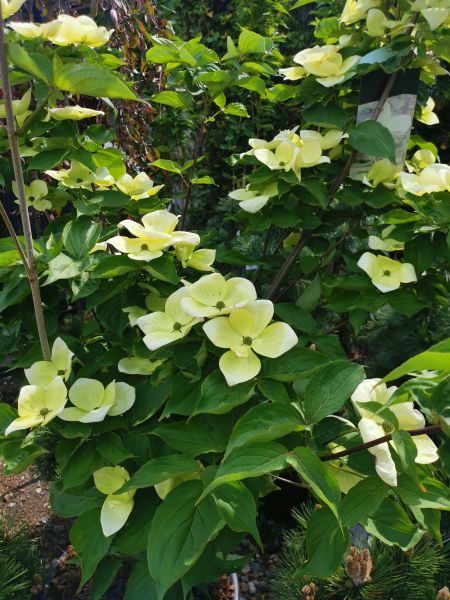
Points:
(282, 163)
(144, 247)
(44, 412)
(386, 273)
(177, 326)
(387, 427)
(79, 180)
(247, 340)
(61, 372)
(220, 305)
(31, 198)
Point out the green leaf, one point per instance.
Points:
(330, 387)
(326, 543)
(160, 469)
(175, 99)
(391, 524)
(274, 391)
(90, 544)
(164, 269)
(300, 3)
(296, 316)
(35, 64)
(420, 252)
(372, 138)
(310, 296)
(436, 358)
(218, 398)
(111, 447)
(204, 180)
(180, 531)
(113, 266)
(140, 585)
(193, 438)
(323, 485)
(47, 160)
(406, 451)
(264, 423)
(17, 457)
(293, 364)
(80, 236)
(92, 80)
(75, 501)
(249, 461)
(250, 42)
(162, 55)
(428, 494)
(7, 416)
(362, 500)
(440, 404)
(252, 83)
(104, 577)
(167, 165)
(237, 109)
(326, 116)
(64, 267)
(238, 508)
(149, 399)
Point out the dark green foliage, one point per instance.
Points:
(416, 575)
(18, 563)
(407, 336)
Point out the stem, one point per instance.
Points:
(334, 187)
(386, 438)
(18, 174)
(14, 237)
(198, 144)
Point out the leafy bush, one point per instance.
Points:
(179, 332)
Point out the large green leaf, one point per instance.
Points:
(436, 358)
(372, 138)
(160, 469)
(430, 493)
(35, 64)
(317, 476)
(293, 364)
(250, 42)
(330, 387)
(175, 99)
(296, 316)
(75, 501)
(217, 397)
(326, 543)
(391, 524)
(238, 508)
(104, 577)
(264, 423)
(362, 500)
(89, 542)
(92, 80)
(249, 461)
(64, 267)
(80, 236)
(193, 438)
(180, 531)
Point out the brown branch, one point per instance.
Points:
(386, 438)
(18, 174)
(334, 187)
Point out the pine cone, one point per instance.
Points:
(308, 592)
(443, 594)
(359, 566)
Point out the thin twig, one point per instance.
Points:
(18, 174)
(290, 482)
(386, 438)
(14, 237)
(197, 148)
(304, 238)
